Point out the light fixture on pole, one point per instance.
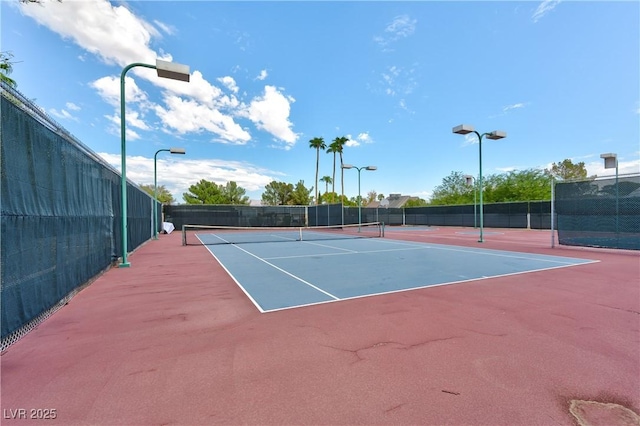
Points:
(371, 168)
(471, 181)
(155, 186)
(611, 161)
(164, 69)
(464, 129)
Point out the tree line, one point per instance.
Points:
(517, 185)
(457, 188)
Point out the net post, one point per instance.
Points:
(184, 235)
(382, 229)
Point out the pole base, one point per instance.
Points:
(124, 265)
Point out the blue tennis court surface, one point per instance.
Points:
(282, 275)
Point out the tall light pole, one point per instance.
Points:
(371, 168)
(611, 161)
(165, 69)
(155, 186)
(463, 129)
(472, 181)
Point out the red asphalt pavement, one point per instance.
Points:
(173, 340)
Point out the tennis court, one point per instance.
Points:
(173, 340)
(287, 268)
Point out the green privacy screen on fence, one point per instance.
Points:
(60, 210)
(529, 214)
(599, 212)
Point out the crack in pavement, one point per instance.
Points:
(401, 346)
(619, 309)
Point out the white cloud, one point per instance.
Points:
(364, 137)
(134, 119)
(229, 83)
(398, 80)
(177, 173)
(117, 36)
(111, 32)
(169, 29)
(509, 108)
(351, 142)
(514, 106)
(72, 106)
(400, 27)
(270, 112)
(263, 74)
(403, 105)
(186, 116)
(543, 8)
(62, 114)
(470, 139)
(625, 166)
(108, 89)
(131, 134)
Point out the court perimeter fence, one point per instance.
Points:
(60, 215)
(601, 212)
(534, 215)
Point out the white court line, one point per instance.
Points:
(287, 273)
(362, 296)
(437, 248)
(422, 246)
(324, 245)
(487, 252)
(282, 237)
(345, 254)
(255, 303)
(414, 246)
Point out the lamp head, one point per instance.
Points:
(469, 179)
(497, 134)
(463, 129)
(609, 155)
(371, 168)
(172, 70)
(347, 166)
(610, 160)
(177, 151)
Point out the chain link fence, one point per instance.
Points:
(60, 214)
(602, 212)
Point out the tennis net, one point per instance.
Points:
(213, 235)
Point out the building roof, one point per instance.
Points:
(393, 201)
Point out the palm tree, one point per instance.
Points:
(333, 148)
(327, 180)
(317, 144)
(6, 67)
(340, 143)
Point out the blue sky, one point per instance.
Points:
(561, 78)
